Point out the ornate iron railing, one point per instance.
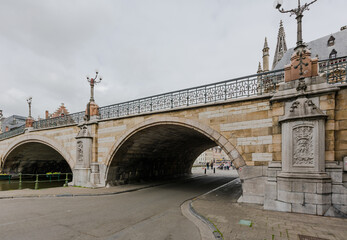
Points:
(66, 120)
(334, 70)
(13, 132)
(252, 85)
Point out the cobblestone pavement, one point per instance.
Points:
(222, 209)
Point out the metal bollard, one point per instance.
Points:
(66, 180)
(20, 181)
(214, 170)
(37, 182)
(205, 170)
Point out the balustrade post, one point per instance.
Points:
(66, 180)
(20, 181)
(37, 182)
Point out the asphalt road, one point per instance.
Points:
(152, 213)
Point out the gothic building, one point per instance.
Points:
(327, 47)
(61, 111)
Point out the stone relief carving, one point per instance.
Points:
(303, 154)
(83, 132)
(80, 151)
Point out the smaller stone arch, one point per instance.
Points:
(214, 135)
(38, 139)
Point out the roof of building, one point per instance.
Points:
(12, 122)
(321, 48)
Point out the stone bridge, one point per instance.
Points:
(287, 143)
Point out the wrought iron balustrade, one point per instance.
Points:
(334, 70)
(252, 85)
(13, 132)
(258, 84)
(65, 120)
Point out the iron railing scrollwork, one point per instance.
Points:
(334, 70)
(13, 132)
(258, 84)
(252, 85)
(65, 120)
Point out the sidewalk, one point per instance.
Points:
(221, 208)
(80, 191)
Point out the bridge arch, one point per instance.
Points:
(194, 130)
(37, 139)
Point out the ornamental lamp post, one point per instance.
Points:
(93, 81)
(299, 15)
(29, 100)
(302, 54)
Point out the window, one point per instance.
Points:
(331, 41)
(333, 54)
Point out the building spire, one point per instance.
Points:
(266, 56)
(281, 47)
(259, 68)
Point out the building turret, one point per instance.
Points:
(266, 56)
(259, 68)
(281, 47)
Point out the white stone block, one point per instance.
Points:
(255, 140)
(291, 197)
(262, 157)
(267, 122)
(112, 129)
(307, 208)
(313, 198)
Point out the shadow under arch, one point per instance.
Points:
(157, 142)
(33, 142)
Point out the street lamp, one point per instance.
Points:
(300, 48)
(299, 14)
(29, 100)
(93, 81)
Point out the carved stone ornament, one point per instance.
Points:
(83, 132)
(303, 154)
(80, 151)
(301, 108)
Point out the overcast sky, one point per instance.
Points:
(140, 47)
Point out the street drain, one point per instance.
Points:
(303, 237)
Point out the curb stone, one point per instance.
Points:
(200, 221)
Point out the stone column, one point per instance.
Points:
(82, 170)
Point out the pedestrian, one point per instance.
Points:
(211, 165)
(207, 165)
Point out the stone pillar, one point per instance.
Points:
(29, 122)
(82, 170)
(301, 59)
(303, 183)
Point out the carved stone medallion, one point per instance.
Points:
(303, 154)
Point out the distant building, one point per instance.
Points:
(215, 154)
(327, 47)
(61, 111)
(12, 122)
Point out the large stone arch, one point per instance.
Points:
(212, 134)
(31, 138)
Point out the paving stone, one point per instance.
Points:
(281, 225)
